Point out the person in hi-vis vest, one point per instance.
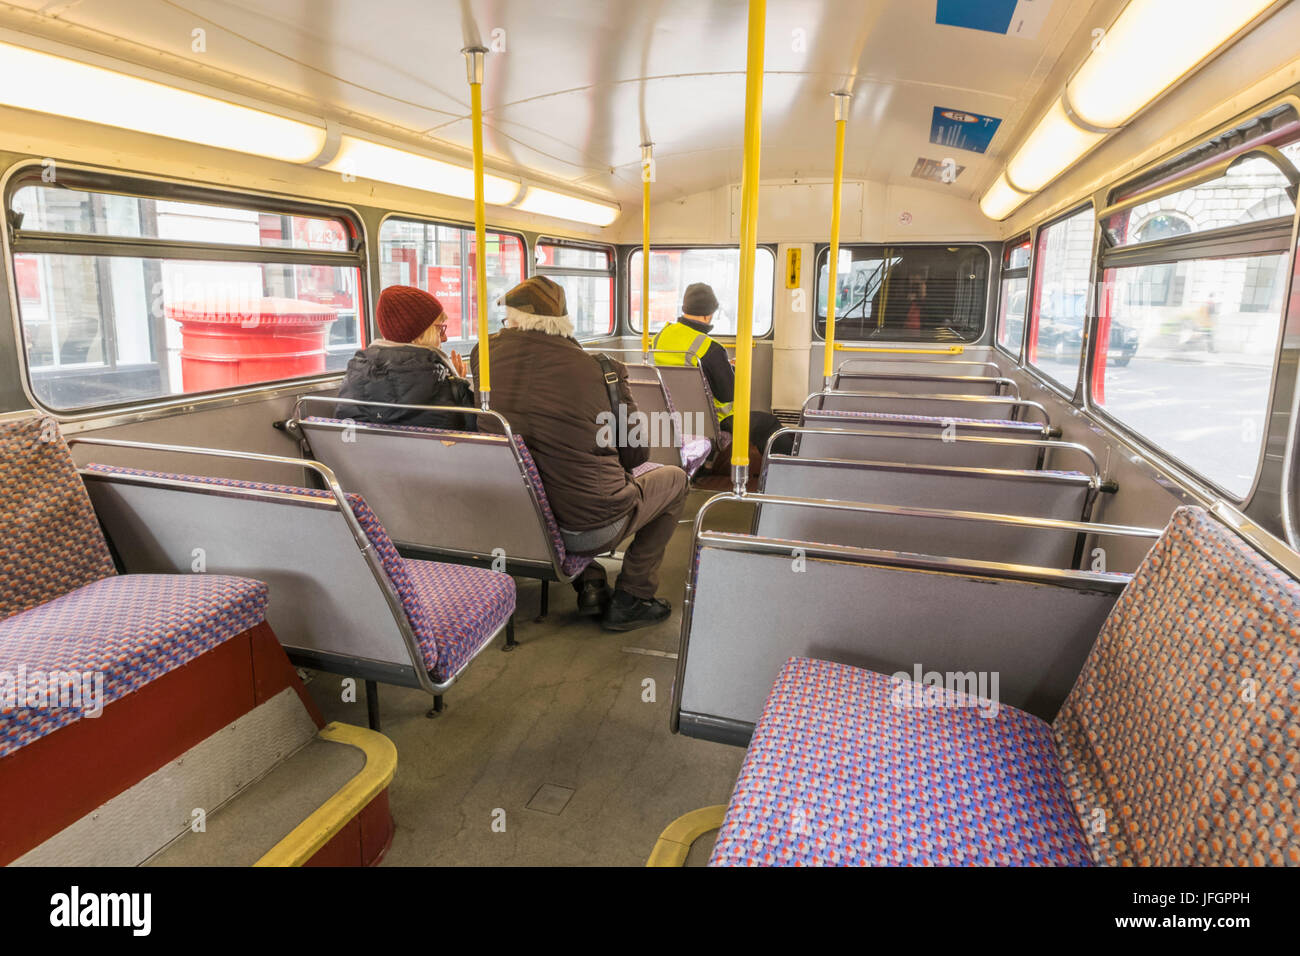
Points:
(687, 342)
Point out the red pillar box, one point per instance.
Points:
(255, 341)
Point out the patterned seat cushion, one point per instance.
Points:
(430, 624)
(463, 608)
(130, 629)
(50, 542)
(570, 564)
(1180, 741)
(695, 451)
(845, 769)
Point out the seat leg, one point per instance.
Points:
(546, 602)
(372, 704)
(510, 643)
(436, 709)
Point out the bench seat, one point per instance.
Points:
(453, 609)
(132, 629)
(937, 419)
(838, 774)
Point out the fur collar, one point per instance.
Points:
(560, 325)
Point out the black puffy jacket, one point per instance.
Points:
(405, 375)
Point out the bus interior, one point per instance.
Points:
(1015, 582)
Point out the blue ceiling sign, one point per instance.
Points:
(993, 16)
(958, 129)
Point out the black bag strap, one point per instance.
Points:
(611, 388)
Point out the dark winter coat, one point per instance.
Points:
(405, 375)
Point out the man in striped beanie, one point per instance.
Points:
(556, 398)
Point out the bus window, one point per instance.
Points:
(1013, 296)
(1188, 331)
(440, 259)
(587, 275)
(672, 270)
(102, 328)
(1062, 270)
(921, 293)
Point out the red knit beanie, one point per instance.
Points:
(404, 312)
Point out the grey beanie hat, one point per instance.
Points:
(699, 300)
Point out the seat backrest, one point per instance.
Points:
(662, 427)
(1179, 740)
(912, 383)
(754, 604)
(460, 495)
(331, 606)
(50, 540)
(918, 365)
(1032, 494)
(689, 392)
(940, 404)
(916, 442)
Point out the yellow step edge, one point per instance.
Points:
(304, 840)
(674, 844)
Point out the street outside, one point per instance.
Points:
(1205, 409)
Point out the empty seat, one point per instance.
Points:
(904, 381)
(331, 594)
(839, 773)
(1156, 757)
(934, 404)
(66, 614)
(930, 442)
(670, 444)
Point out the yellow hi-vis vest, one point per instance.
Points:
(683, 345)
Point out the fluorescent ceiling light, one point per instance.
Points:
(1147, 49)
(55, 84)
(359, 157)
(544, 202)
(1054, 144)
(1001, 200)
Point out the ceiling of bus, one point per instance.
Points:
(580, 83)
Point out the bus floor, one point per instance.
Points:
(558, 754)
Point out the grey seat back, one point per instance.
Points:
(662, 426)
(920, 365)
(331, 603)
(689, 391)
(910, 383)
(1034, 494)
(939, 404)
(459, 495)
(751, 602)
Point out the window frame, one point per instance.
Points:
(1072, 394)
(1277, 236)
(450, 224)
(626, 300)
(611, 274)
(137, 185)
(822, 255)
(1004, 273)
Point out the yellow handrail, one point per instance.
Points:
(474, 66)
(647, 170)
(841, 115)
(748, 242)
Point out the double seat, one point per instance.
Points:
(344, 599)
(1177, 745)
(76, 636)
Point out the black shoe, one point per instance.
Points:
(627, 613)
(593, 599)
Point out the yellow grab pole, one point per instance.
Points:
(474, 68)
(832, 280)
(647, 175)
(748, 241)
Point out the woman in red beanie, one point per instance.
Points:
(407, 366)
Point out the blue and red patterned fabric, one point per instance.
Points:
(570, 564)
(126, 629)
(1180, 741)
(448, 634)
(50, 542)
(843, 770)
